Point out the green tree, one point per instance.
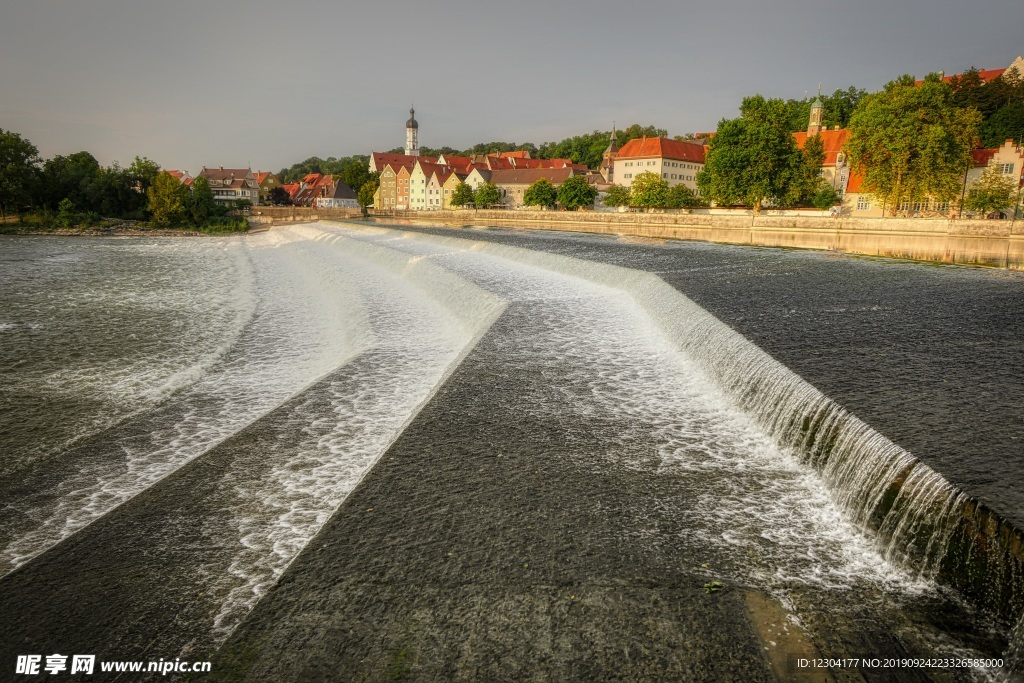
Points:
(167, 200)
(279, 196)
(487, 195)
(912, 142)
(813, 156)
(463, 195)
(754, 159)
(69, 177)
(617, 196)
(200, 204)
(576, 193)
(541, 193)
(681, 197)
(144, 172)
(993, 191)
(19, 167)
(367, 191)
(648, 190)
(826, 197)
(66, 213)
(1007, 123)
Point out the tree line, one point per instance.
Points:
(912, 141)
(75, 190)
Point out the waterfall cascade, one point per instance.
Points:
(919, 519)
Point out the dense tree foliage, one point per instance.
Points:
(754, 159)
(199, 203)
(487, 195)
(345, 167)
(168, 198)
(576, 193)
(618, 195)
(366, 193)
(541, 193)
(463, 195)
(993, 191)
(19, 168)
(912, 142)
(278, 196)
(648, 190)
(682, 197)
(838, 108)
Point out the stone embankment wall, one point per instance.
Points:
(998, 243)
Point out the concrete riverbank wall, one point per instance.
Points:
(996, 243)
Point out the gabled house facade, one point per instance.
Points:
(232, 184)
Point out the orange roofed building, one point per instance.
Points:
(676, 161)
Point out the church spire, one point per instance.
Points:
(817, 110)
(412, 134)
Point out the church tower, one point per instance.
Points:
(607, 168)
(412, 135)
(817, 109)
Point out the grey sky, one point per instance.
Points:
(272, 83)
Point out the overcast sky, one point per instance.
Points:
(269, 84)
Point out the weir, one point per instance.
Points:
(918, 519)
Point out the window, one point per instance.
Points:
(863, 202)
(1006, 168)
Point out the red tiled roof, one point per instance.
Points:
(517, 154)
(453, 160)
(528, 176)
(382, 159)
(833, 141)
(665, 148)
(855, 182)
(292, 189)
(985, 75)
(982, 156)
(261, 176)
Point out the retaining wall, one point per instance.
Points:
(998, 243)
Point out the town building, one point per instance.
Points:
(232, 184)
(182, 177)
(448, 185)
(340, 196)
(402, 187)
(513, 183)
(835, 170)
(266, 181)
(676, 161)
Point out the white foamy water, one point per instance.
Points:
(420, 338)
(758, 504)
(95, 331)
(305, 322)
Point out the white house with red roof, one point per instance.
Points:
(676, 161)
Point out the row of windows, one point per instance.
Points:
(924, 205)
(640, 163)
(678, 176)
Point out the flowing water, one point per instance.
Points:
(155, 352)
